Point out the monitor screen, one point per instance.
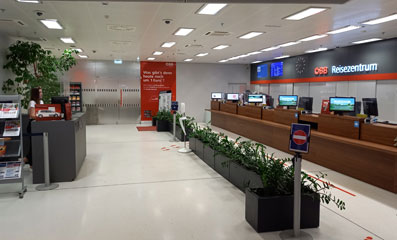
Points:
(232, 96)
(370, 106)
(261, 71)
(287, 100)
(276, 69)
(255, 98)
(342, 104)
(216, 95)
(306, 103)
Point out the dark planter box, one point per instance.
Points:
(222, 164)
(162, 126)
(200, 149)
(192, 144)
(238, 176)
(154, 122)
(209, 154)
(267, 214)
(253, 180)
(170, 127)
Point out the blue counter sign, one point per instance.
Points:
(299, 138)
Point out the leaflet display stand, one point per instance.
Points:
(11, 142)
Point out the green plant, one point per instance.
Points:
(33, 67)
(163, 115)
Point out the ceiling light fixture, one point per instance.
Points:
(78, 49)
(151, 58)
(220, 47)
(305, 13)
(367, 40)
(201, 54)
(344, 29)
(183, 31)
(256, 62)
(118, 61)
(382, 20)
(253, 53)
(250, 35)
(28, 1)
(288, 44)
(168, 44)
(83, 56)
(67, 40)
(270, 49)
(315, 37)
(157, 53)
(316, 50)
(211, 8)
(188, 60)
(51, 23)
(223, 61)
(285, 56)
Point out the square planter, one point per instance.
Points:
(238, 175)
(200, 149)
(267, 214)
(222, 165)
(192, 144)
(154, 121)
(162, 126)
(170, 127)
(209, 155)
(253, 180)
(179, 134)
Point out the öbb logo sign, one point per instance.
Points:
(321, 71)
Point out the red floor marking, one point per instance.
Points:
(368, 238)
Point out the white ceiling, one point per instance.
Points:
(87, 24)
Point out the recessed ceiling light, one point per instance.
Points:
(305, 13)
(382, 20)
(316, 50)
(313, 38)
(223, 61)
(183, 31)
(51, 23)
(168, 44)
(344, 29)
(83, 56)
(118, 61)
(257, 62)
(78, 49)
(28, 1)
(220, 47)
(202, 54)
(233, 58)
(151, 58)
(67, 40)
(188, 60)
(253, 53)
(285, 56)
(157, 53)
(367, 40)
(288, 44)
(211, 8)
(250, 35)
(270, 49)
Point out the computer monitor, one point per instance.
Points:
(60, 100)
(370, 106)
(342, 104)
(216, 95)
(255, 98)
(287, 100)
(232, 96)
(306, 103)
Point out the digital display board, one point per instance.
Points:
(261, 71)
(342, 104)
(287, 100)
(276, 69)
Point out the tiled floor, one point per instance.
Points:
(132, 187)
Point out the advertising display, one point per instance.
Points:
(47, 112)
(287, 100)
(216, 95)
(155, 78)
(342, 104)
(255, 98)
(232, 96)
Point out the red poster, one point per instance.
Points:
(156, 77)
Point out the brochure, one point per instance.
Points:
(12, 128)
(9, 110)
(10, 170)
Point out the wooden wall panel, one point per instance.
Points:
(339, 125)
(215, 105)
(379, 133)
(268, 115)
(228, 107)
(285, 116)
(250, 111)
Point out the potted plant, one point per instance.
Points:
(271, 208)
(162, 118)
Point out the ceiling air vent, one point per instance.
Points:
(217, 34)
(121, 43)
(121, 27)
(16, 21)
(194, 46)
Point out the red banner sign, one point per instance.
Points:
(156, 77)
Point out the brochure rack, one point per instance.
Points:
(11, 142)
(76, 95)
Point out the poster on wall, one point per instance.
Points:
(155, 78)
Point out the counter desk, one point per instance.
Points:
(336, 144)
(67, 148)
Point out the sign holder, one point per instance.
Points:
(299, 143)
(174, 108)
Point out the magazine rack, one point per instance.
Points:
(11, 160)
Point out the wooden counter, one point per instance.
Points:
(370, 162)
(228, 107)
(343, 126)
(379, 133)
(286, 116)
(268, 114)
(313, 118)
(215, 105)
(250, 111)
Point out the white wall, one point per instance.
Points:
(195, 82)
(385, 91)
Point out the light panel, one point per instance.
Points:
(211, 8)
(281, 57)
(288, 44)
(67, 40)
(118, 61)
(382, 20)
(315, 37)
(83, 56)
(344, 29)
(188, 60)
(250, 35)
(202, 54)
(51, 23)
(367, 40)
(78, 49)
(270, 49)
(168, 44)
(305, 13)
(28, 1)
(157, 53)
(183, 31)
(223, 61)
(316, 50)
(256, 62)
(253, 53)
(151, 58)
(220, 47)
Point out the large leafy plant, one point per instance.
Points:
(34, 67)
(164, 115)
